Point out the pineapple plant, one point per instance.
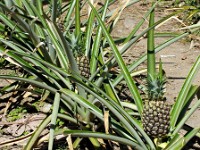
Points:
(77, 46)
(156, 113)
(122, 124)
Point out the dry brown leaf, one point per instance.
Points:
(69, 141)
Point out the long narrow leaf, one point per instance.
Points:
(176, 143)
(186, 117)
(96, 49)
(54, 10)
(78, 133)
(56, 105)
(144, 57)
(191, 134)
(89, 30)
(43, 85)
(36, 134)
(180, 142)
(117, 107)
(130, 36)
(129, 80)
(82, 102)
(176, 110)
(192, 92)
(121, 114)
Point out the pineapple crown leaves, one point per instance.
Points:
(156, 87)
(156, 84)
(76, 44)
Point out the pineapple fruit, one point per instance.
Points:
(77, 47)
(83, 66)
(156, 112)
(156, 118)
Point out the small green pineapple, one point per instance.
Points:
(156, 112)
(84, 66)
(77, 45)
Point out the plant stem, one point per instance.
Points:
(151, 49)
(77, 18)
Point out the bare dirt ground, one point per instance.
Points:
(177, 61)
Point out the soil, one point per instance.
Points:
(177, 58)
